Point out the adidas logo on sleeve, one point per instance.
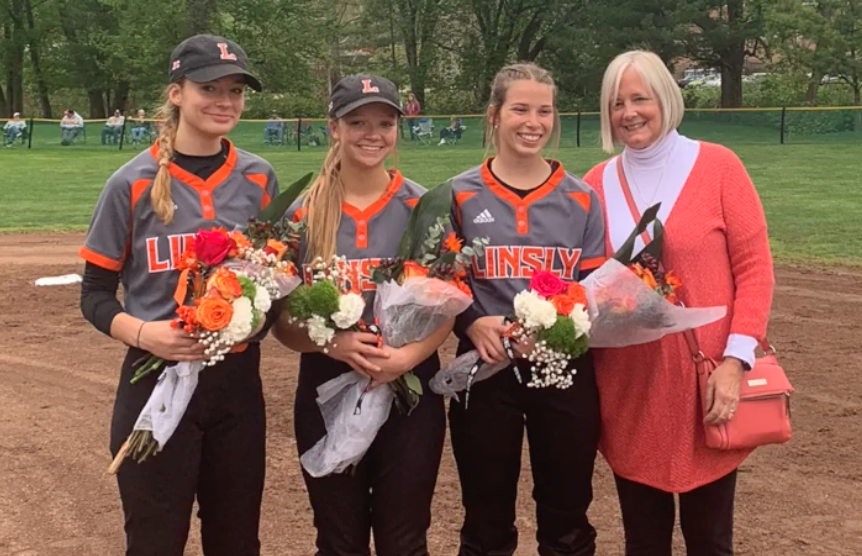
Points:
(484, 217)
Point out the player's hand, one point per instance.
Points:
(486, 333)
(722, 392)
(523, 346)
(169, 343)
(396, 364)
(355, 349)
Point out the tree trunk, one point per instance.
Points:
(97, 104)
(35, 61)
(733, 60)
(15, 91)
(121, 95)
(813, 88)
(4, 107)
(857, 101)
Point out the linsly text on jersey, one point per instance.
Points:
(521, 261)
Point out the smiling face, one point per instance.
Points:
(524, 122)
(210, 109)
(367, 135)
(636, 116)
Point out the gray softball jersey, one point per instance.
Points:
(367, 236)
(127, 236)
(559, 227)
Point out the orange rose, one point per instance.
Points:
(577, 293)
(414, 270)
(240, 239)
(564, 304)
(214, 313)
(226, 283)
(276, 248)
(452, 243)
(646, 275)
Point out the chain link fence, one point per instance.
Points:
(791, 125)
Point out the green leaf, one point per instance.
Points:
(624, 253)
(433, 205)
(413, 383)
(274, 212)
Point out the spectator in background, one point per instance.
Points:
(113, 127)
(14, 128)
(453, 132)
(411, 111)
(274, 128)
(140, 128)
(71, 126)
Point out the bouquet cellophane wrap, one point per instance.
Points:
(348, 435)
(624, 311)
(284, 281)
(453, 376)
(412, 311)
(405, 313)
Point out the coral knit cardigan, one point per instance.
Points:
(716, 242)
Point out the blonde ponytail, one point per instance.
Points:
(322, 206)
(160, 194)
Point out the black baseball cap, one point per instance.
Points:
(354, 91)
(205, 58)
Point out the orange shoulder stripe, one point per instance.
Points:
(583, 199)
(100, 260)
(262, 181)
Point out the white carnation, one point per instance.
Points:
(582, 320)
(318, 332)
(262, 300)
(534, 311)
(350, 309)
(240, 324)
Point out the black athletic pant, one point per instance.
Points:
(217, 454)
(706, 518)
(390, 491)
(563, 433)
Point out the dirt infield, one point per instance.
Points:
(58, 376)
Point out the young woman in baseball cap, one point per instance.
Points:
(358, 209)
(192, 178)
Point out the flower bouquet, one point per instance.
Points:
(633, 300)
(329, 303)
(417, 292)
(228, 282)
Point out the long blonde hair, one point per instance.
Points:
(160, 194)
(526, 71)
(323, 204)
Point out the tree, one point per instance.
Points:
(723, 33)
(823, 38)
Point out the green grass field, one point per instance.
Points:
(811, 193)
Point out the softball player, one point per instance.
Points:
(358, 209)
(537, 217)
(191, 178)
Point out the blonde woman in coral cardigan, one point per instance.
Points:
(716, 242)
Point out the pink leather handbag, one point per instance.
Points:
(763, 414)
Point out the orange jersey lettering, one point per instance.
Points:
(520, 262)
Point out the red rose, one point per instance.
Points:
(212, 247)
(547, 285)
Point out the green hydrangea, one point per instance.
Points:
(249, 290)
(323, 299)
(299, 304)
(561, 337)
